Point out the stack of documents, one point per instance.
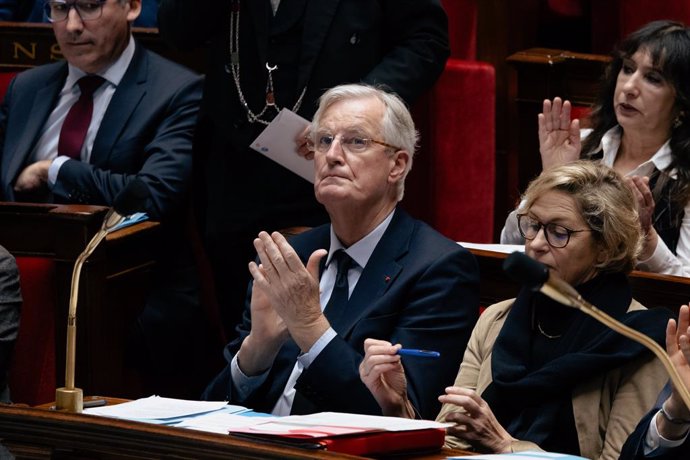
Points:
(340, 432)
(164, 411)
(349, 433)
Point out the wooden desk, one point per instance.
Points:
(113, 284)
(650, 289)
(40, 433)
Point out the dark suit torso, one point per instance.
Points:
(399, 43)
(146, 133)
(316, 44)
(418, 289)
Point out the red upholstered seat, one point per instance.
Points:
(462, 133)
(32, 373)
(452, 183)
(614, 19)
(462, 28)
(5, 79)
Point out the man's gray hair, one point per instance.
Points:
(397, 127)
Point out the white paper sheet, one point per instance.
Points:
(221, 422)
(277, 142)
(157, 408)
(504, 248)
(369, 422)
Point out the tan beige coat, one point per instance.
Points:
(606, 409)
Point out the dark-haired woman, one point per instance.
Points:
(641, 128)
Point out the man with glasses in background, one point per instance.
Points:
(80, 130)
(372, 270)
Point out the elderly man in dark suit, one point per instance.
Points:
(265, 55)
(664, 433)
(374, 269)
(80, 130)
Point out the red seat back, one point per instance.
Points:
(612, 20)
(451, 185)
(462, 28)
(32, 373)
(5, 79)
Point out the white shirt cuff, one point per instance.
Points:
(654, 441)
(662, 261)
(243, 384)
(54, 169)
(307, 358)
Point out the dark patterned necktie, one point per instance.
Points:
(336, 304)
(77, 121)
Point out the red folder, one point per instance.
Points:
(369, 443)
(387, 442)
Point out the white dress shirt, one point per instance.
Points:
(47, 145)
(662, 259)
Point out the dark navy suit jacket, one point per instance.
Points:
(146, 131)
(418, 289)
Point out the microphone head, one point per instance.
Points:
(132, 198)
(525, 270)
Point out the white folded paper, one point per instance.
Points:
(277, 142)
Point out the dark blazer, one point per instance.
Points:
(419, 289)
(400, 43)
(633, 449)
(146, 132)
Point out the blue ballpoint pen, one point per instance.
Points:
(420, 353)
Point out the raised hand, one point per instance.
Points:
(383, 374)
(267, 335)
(678, 348)
(559, 137)
(645, 208)
(292, 288)
(475, 421)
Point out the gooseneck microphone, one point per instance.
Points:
(132, 199)
(531, 273)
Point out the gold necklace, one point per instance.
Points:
(548, 336)
(234, 69)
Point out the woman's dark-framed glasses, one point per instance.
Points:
(351, 144)
(556, 235)
(88, 10)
